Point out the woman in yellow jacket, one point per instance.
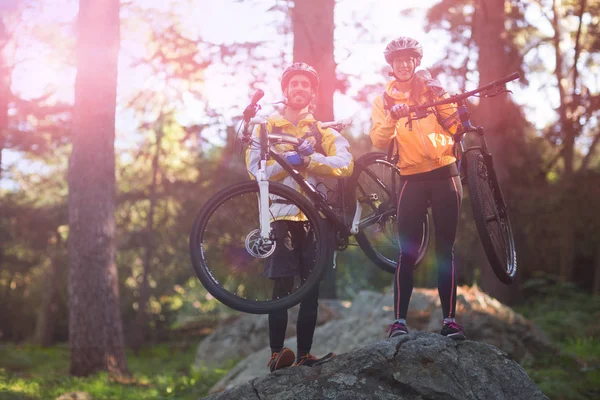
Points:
(429, 176)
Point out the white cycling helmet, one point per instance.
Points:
(403, 45)
(300, 68)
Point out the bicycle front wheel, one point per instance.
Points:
(377, 183)
(491, 217)
(231, 259)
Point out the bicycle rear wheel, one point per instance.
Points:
(377, 182)
(491, 216)
(229, 256)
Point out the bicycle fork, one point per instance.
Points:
(263, 203)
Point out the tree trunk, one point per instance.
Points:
(567, 229)
(141, 321)
(567, 232)
(46, 316)
(313, 26)
(596, 288)
(4, 96)
(490, 36)
(95, 327)
(5, 92)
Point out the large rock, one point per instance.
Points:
(416, 366)
(364, 323)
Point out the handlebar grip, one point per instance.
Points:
(340, 124)
(251, 110)
(256, 97)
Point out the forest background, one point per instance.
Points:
(129, 111)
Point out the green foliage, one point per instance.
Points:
(159, 372)
(194, 164)
(570, 317)
(585, 349)
(561, 309)
(355, 272)
(556, 382)
(560, 377)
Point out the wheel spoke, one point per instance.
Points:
(492, 218)
(235, 260)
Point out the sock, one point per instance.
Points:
(448, 320)
(401, 321)
(273, 350)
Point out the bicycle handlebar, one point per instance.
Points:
(497, 86)
(251, 119)
(337, 125)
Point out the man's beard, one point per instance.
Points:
(298, 105)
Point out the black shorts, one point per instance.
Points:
(295, 250)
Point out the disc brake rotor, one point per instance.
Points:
(257, 247)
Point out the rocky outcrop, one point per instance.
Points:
(416, 366)
(364, 322)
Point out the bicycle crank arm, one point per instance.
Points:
(356, 220)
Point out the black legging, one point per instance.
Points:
(307, 317)
(445, 197)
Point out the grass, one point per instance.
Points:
(160, 372)
(571, 319)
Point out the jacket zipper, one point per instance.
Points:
(423, 141)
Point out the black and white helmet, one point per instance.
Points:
(299, 68)
(403, 45)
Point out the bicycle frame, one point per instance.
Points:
(266, 142)
(477, 170)
(492, 89)
(487, 156)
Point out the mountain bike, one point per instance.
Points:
(477, 173)
(236, 231)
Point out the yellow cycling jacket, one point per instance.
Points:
(429, 145)
(336, 161)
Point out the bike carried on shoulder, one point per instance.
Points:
(477, 173)
(236, 230)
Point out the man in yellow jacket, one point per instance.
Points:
(429, 176)
(323, 153)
